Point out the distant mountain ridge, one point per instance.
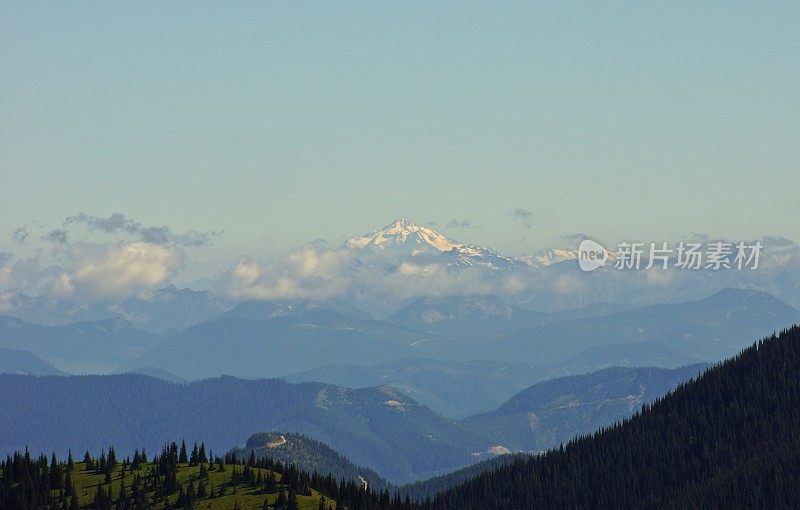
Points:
(466, 316)
(167, 309)
(375, 427)
(554, 411)
(453, 388)
(23, 362)
(80, 347)
(379, 427)
(305, 337)
(278, 345)
(704, 330)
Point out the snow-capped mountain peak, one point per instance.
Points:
(406, 237)
(403, 231)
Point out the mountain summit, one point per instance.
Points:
(406, 238)
(403, 231)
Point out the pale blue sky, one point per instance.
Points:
(281, 123)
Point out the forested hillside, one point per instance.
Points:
(375, 427)
(378, 428)
(308, 455)
(730, 439)
(177, 478)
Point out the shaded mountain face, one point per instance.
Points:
(172, 309)
(278, 346)
(379, 427)
(309, 455)
(709, 329)
(376, 427)
(305, 337)
(164, 310)
(25, 363)
(452, 388)
(463, 316)
(81, 347)
(554, 411)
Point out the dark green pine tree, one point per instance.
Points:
(280, 503)
(112, 458)
(122, 496)
(101, 464)
(321, 502)
(69, 487)
(191, 495)
(291, 502)
(182, 459)
(181, 499)
(194, 456)
(70, 463)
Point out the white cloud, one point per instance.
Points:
(98, 272)
(313, 271)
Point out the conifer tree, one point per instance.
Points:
(182, 459)
(202, 455)
(291, 502)
(194, 456)
(112, 458)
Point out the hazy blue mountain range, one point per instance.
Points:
(282, 343)
(462, 316)
(80, 347)
(23, 362)
(379, 427)
(708, 329)
(452, 388)
(334, 342)
(554, 411)
(318, 309)
(330, 342)
(278, 346)
(164, 310)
